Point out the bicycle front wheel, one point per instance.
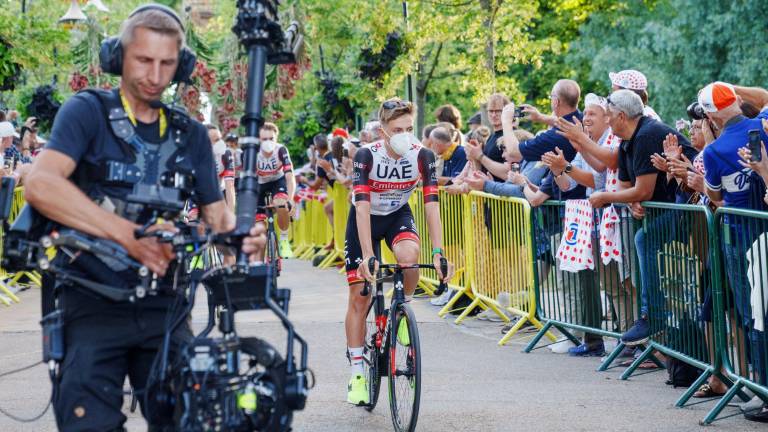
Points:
(372, 361)
(404, 369)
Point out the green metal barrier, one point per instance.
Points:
(599, 302)
(742, 236)
(682, 268)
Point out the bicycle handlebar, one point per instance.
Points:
(442, 286)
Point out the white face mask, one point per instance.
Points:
(268, 146)
(220, 146)
(402, 142)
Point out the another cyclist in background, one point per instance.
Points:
(276, 180)
(385, 174)
(225, 168)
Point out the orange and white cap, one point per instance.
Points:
(717, 96)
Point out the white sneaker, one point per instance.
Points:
(562, 346)
(752, 405)
(490, 315)
(444, 298)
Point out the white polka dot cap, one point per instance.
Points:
(629, 79)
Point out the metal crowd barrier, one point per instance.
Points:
(740, 304)
(7, 296)
(597, 303)
(452, 217)
(682, 284)
(498, 246)
(341, 205)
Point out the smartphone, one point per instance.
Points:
(519, 112)
(515, 167)
(755, 145)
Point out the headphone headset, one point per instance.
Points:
(111, 51)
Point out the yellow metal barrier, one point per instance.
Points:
(8, 279)
(341, 204)
(500, 258)
(451, 216)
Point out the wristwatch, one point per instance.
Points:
(436, 251)
(568, 169)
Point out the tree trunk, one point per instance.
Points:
(489, 8)
(424, 75)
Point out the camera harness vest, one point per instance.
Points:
(152, 168)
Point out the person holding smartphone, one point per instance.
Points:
(737, 186)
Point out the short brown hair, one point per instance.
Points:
(271, 127)
(449, 113)
(153, 19)
(504, 99)
(394, 108)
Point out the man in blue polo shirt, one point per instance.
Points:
(737, 186)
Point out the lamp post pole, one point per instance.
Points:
(409, 84)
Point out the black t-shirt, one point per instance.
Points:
(81, 132)
(494, 150)
(635, 156)
(549, 186)
(321, 172)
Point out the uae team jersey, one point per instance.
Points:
(387, 182)
(273, 167)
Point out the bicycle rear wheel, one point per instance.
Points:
(404, 369)
(372, 358)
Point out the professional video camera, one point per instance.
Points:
(227, 383)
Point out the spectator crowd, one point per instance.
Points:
(603, 149)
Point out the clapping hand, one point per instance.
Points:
(574, 132)
(680, 167)
(474, 150)
(477, 180)
(324, 164)
(555, 160)
(672, 149)
(659, 162)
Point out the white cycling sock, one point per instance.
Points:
(356, 360)
(408, 298)
(284, 235)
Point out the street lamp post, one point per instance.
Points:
(409, 84)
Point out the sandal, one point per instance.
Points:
(706, 391)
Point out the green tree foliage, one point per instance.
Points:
(681, 45)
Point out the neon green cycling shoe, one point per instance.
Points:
(285, 249)
(403, 336)
(357, 390)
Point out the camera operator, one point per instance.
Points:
(105, 340)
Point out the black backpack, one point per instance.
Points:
(681, 374)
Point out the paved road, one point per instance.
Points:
(469, 382)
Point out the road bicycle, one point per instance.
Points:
(392, 346)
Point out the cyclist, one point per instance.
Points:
(276, 179)
(385, 174)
